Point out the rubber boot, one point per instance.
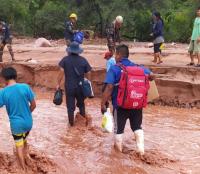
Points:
(139, 136)
(118, 142)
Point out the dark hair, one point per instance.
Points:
(9, 73)
(198, 8)
(158, 15)
(123, 50)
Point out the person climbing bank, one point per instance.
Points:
(70, 27)
(113, 33)
(5, 39)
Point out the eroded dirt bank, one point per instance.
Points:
(178, 86)
(172, 138)
(171, 142)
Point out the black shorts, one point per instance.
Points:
(121, 116)
(157, 48)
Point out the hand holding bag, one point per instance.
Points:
(58, 97)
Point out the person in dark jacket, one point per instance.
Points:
(69, 66)
(157, 34)
(5, 39)
(70, 28)
(113, 33)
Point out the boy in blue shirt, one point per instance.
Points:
(110, 60)
(20, 103)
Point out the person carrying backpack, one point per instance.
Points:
(70, 28)
(127, 84)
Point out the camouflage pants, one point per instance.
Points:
(111, 45)
(9, 46)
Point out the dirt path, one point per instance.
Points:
(171, 140)
(139, 52)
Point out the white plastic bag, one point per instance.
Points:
(107, 121)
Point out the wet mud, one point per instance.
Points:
(171, 142)
(172, 134)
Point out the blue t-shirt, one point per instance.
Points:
(17, 98)
(114, 74)
(110, 63)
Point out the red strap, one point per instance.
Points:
(121, 66)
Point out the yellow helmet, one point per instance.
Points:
(73, 15)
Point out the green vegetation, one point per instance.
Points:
(46, 17)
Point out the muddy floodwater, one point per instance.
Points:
(172, 143)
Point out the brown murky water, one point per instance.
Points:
(172, 141)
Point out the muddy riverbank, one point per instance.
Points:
(177, 86)
(172, 134)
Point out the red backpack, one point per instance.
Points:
(133, 88)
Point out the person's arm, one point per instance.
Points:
(158, 29)
(60, 77)
(1, 99)
(32, 105)
(89, 75)
(110, 81)
(88, 70)
(149, 73)
(106, 96)
(69, 28)
(151, 76)
(198, 40)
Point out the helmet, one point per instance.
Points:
(73, 15)
(119, 19)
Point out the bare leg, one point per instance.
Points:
(155, 58)
(28, 159)
(192, 57)
(9, 46)
(20, 156)
(1, 52)
(198, 57)
(26, 149)
(159, 58)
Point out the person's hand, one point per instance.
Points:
(103, 108)
(151, 77)
(58, 87)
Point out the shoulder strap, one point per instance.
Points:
(121, 66)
